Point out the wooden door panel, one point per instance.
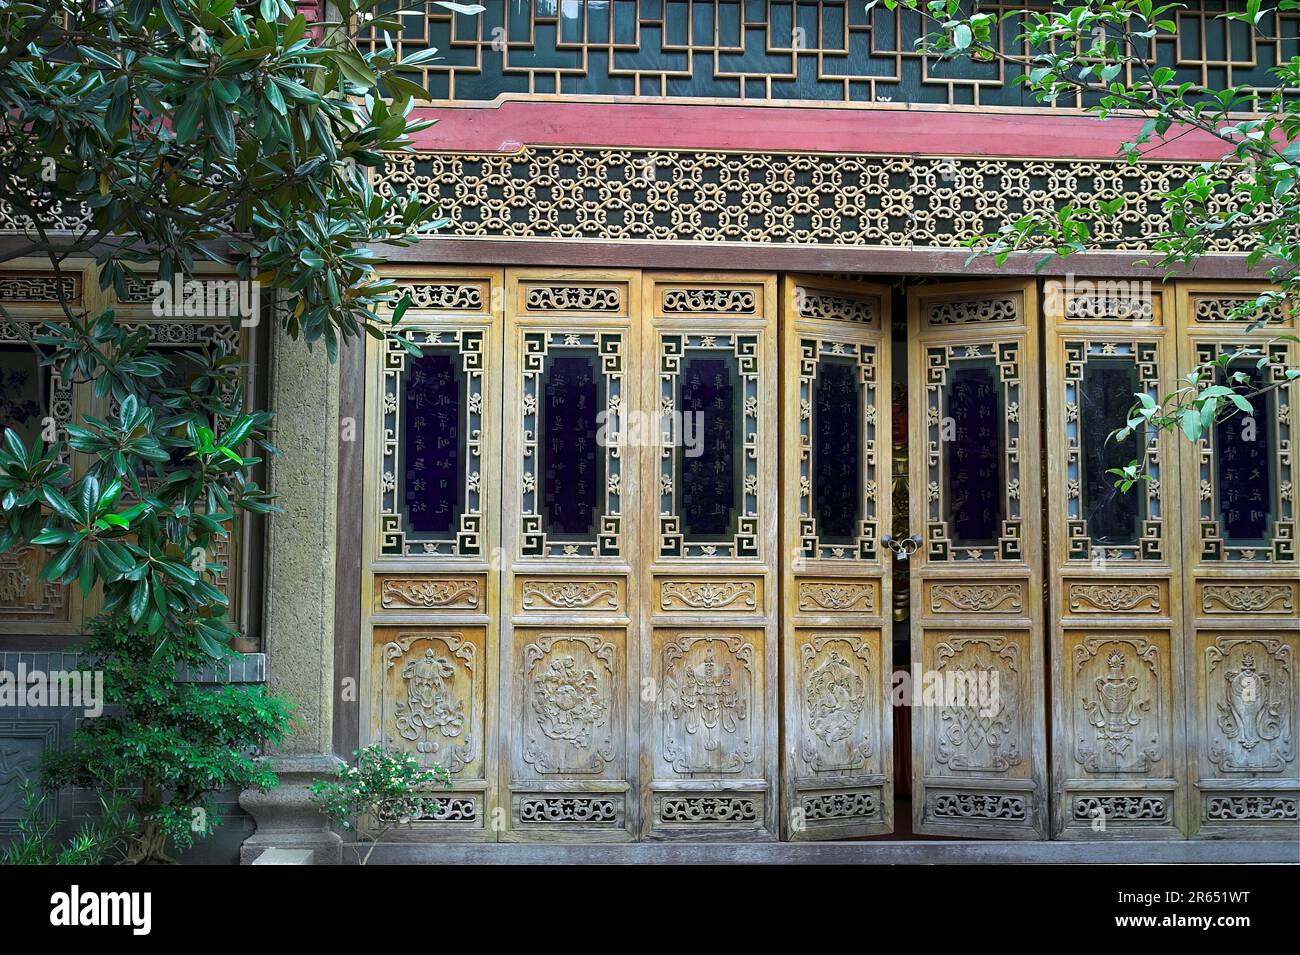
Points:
(429, 698)
(1116, 645)
(1241, 573)
(708, 712)
(836, 647)
(430, 592)
(570, 532)
(976, 578)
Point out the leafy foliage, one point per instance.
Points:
(96, 842)
(388, 787)
(167, 747)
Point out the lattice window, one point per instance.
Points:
(1265, 495)
(1120, 360)
(740, 535)
(982, 495)
(540, 523)
(854, 363)
(407, 523)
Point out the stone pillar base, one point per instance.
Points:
(286, 817)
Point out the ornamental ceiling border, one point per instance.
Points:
(787, 198)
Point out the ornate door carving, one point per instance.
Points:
(1242, 578)
(709, 509)
(429, 591)
(1117, 655)
(838, 770)
(568, 680)
(978, 720)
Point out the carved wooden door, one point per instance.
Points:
(1118, 768)
(837, 777)
(709, 508)
(1242, 578)
(429, 593)
(569, 661)
(977, 660)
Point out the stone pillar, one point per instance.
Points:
(299, 596)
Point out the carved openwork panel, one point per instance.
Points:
(973, 398)
(800, 199)
(571, 703)
(1117, 694)
(711, 715)
(428, 695)
(1245, 466)
(573, 401)
(431, 461)
(709, 496)
(23, 596)
(837, 681)
(839, 394)
(1101, 377)
(1247, 703)
(980, 712)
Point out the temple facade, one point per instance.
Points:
(730, 498)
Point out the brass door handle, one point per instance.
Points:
(904, 548)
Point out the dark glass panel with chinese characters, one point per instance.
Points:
(1243, 465)
(571, 398)
(837, 450)
(21, 400)
(709, 456)
(432, 449)
(972, 441)
(1106, 393)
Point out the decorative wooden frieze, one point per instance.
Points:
(845, 804)
(1229, 309)
(1234, 808)
(430, 593)
(976, 598)
(1114, 598)
(837, 596)
(452, 809)
(972, 805)
(692, 301)
(1121, 808)
(707, 809)
(1248, 598)
(706, 595)
(544, 594)
(569, 809)
(974, 311)
(573, 298)
(36, 288)
(834, 308)
(444, 296)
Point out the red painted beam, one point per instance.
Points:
(507, 125)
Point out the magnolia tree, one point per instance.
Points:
(166, 136)
(1099, 53)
